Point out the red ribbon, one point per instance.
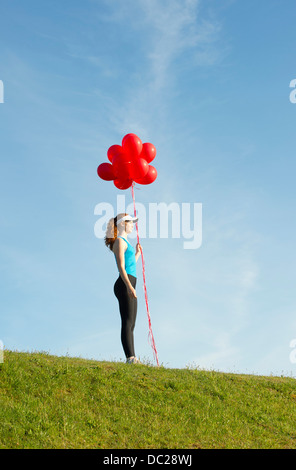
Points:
(150, 334)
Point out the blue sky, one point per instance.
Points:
(207, 82)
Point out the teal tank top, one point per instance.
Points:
(130, 259)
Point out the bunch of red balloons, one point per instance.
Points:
(129, 162)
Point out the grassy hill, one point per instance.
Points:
(54, 402)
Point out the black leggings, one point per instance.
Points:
(128, 312)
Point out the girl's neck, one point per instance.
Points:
(122, 234)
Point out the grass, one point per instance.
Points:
(50, 402)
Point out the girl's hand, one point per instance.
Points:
(132, 292)
(138, 249)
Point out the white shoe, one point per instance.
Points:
(133, 360)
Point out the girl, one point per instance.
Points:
(125, 287)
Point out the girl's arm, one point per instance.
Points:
(119, 248)
(138, 251)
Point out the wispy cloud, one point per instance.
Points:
(176, 27)
(170, 30)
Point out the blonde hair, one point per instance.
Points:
(111, 231)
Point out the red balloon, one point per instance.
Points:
(149, 177)
(105, 171)
(121, 158)
(124, 171)
(113, 150)
(122, 166)
(132, 145)
(129, 162)
(148, 152)
(140, 168)
(122, 184)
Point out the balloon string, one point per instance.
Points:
(150, 334)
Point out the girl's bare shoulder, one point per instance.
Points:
(119, 242)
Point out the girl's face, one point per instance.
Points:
(129, 226)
